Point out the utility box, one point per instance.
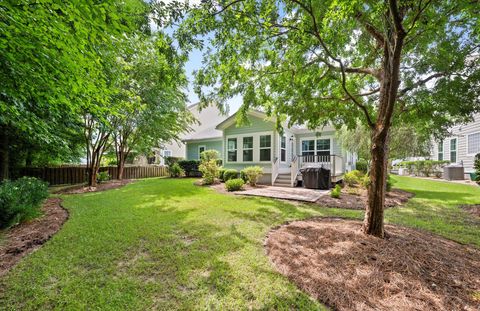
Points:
(454, 172)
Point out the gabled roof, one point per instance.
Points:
(232, 119)
(208, 133)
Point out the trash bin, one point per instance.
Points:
(316, 177)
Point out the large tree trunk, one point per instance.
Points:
(373, 223)
(4, 154)
(120, 164)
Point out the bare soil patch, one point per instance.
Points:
(473, 209)
(333, 261)
(356, 198)
(111, 184)
(25, 238)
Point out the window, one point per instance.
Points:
(232, 150)
(265, 148)
(248, 149)
(453, 150)
(323, 147)
(473, 143)
(200, 150)
(440, 151)
(308, 147)
(283, 149)
(167, 153)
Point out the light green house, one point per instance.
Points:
(280, 155)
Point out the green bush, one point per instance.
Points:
(243, 176)
(366, 181)
(336, 192)
(362, 165)
(102, 176)
(21, 200)
(230, 174)
(253, 174)
(208, 166)
(234, 184)
(353, 178)
(221, 170)
(390, 183)
(190, 167)
(176, 170)
(476, 166)
(169, 161)
(425, 168)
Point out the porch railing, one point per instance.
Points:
(275, 169)
(293, 170)
(332, 162)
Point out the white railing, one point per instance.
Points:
(293, 170)
(332, 162)
(275, 169)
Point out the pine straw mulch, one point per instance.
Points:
(472, 209)
(25, 238)
(107, 185)
(333, 261)
(356, 198)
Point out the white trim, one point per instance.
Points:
(198, 150)
(443, 150)
(456, 150)
(466, 151)
(314, 138)
(243, 149)
(280, 147)
(256, 147)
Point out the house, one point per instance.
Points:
(461, 146)
(205, 117)
(280, 155)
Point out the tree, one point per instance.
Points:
(49, 65)
(151, 96)
(357, 140)
(343, 61)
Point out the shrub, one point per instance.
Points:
(234, 184)
(243, 176)
(336, 192)
(208, 166)
(362, 166)
(353, 178)
(176, 170)
(190, 167)
(390, 183)
(102, 176)
(169, 161)
(476, 166)
(366, 181)
(253, 174)
(230, 174)
(21, 200)
(221, 170)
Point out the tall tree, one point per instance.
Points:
(49, 63)
(151, 96)
(339, 61)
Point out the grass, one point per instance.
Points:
(166, 244)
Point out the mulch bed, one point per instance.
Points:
(220, 187)
(473, 209)
(358, 201)
(111, 184)
(334, 262)
(25, 238)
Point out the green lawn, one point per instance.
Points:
(166, 244)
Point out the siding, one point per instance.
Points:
(460, 132)
(192, 148)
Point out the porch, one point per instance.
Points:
(334, 163)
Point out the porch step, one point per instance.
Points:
(283, 180)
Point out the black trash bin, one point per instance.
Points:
(316, 178)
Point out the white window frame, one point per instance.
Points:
(204, 149)
(456, 150)
(467, 136)
(441, 143)
(165, 151)
(248, 149)
(282, 148)
(228, 149)
(256, 147)
(315, 143)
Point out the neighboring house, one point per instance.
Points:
(461, 146)
(280, 156)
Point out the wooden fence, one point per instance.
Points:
(78, 174)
